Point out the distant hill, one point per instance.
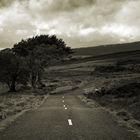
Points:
(106, 49)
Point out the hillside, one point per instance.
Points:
(106, 49)
(110, 81)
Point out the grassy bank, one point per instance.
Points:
(116, 88)
(13, 103)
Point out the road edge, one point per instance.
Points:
(91, 103)
(8, 121)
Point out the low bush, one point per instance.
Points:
(109, 68)
(125, 91)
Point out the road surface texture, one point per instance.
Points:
(65, 117)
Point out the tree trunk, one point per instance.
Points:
(33, 80)
(39, 79)
(13, 85)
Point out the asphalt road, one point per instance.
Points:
(65, 117)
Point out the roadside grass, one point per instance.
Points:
(11, 104)
(117, 91)
(25, 98)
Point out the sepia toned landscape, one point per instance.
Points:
(69, 70)
(105, 84)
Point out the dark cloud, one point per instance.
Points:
(78, 22)
(7, 3)
(67, 5)
(4, 3)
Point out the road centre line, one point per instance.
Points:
(70, 122)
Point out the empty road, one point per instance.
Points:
(65, 117)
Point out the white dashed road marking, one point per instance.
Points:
(63, 101)
(70, 121)
(65, 108)
(64, 105)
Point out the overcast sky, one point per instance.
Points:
(80, 23)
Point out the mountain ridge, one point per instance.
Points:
(107, 49)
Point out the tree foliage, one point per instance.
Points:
(52, 43)
(41, 51)
(13, 69)
(26, 61)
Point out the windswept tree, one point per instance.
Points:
(41, 51)
(13, 69)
